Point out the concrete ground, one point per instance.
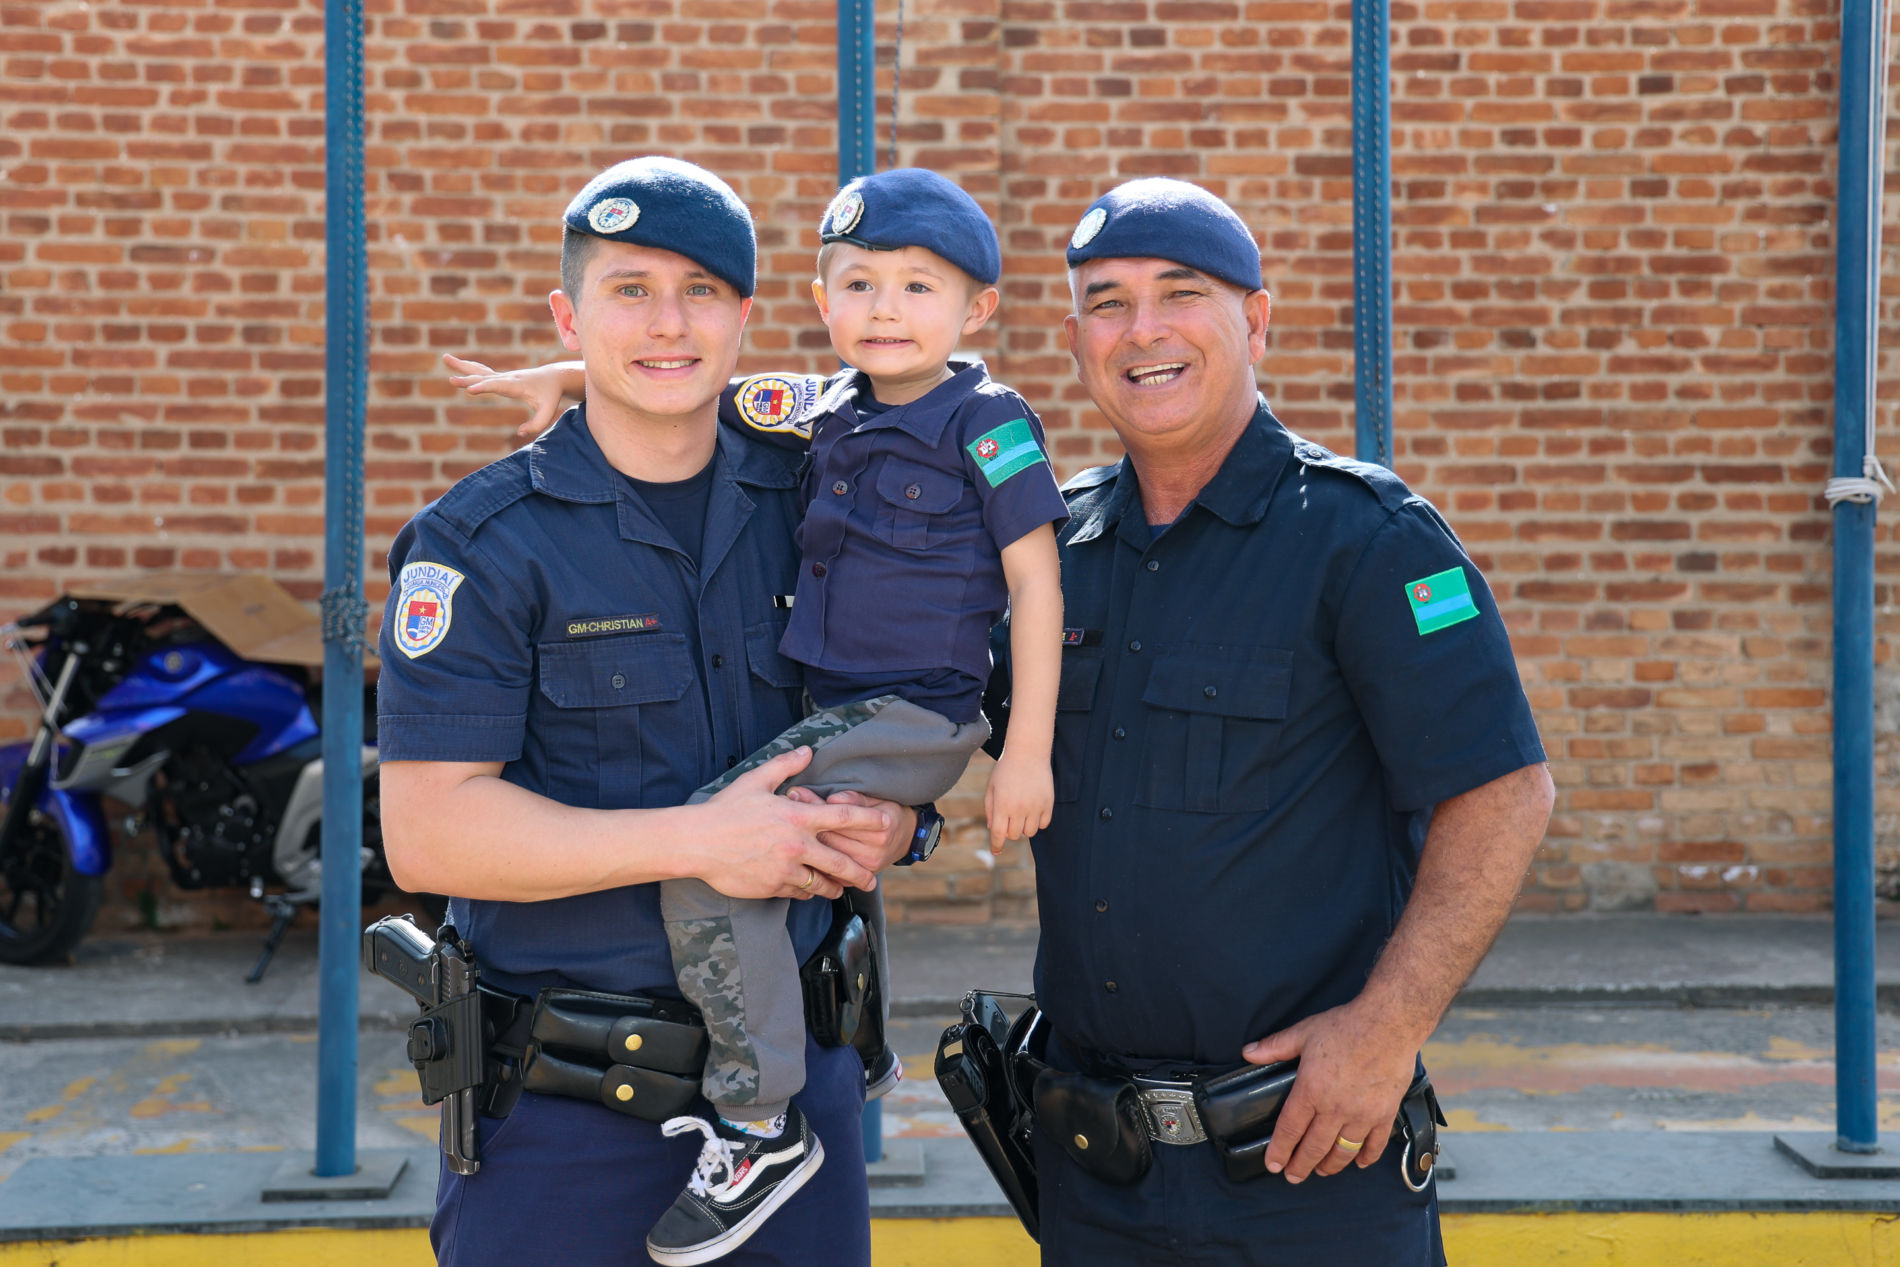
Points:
(153, 1046)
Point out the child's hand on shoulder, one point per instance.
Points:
(1019, 799)
(538, 388)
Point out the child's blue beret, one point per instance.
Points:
(1168, 220)
(673, 206)
(912, 207)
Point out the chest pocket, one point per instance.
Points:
(618, 703)
(778, 680)
(1075, 700)
(914, 502)
(1215, 720)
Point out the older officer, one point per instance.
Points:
(1279, 662)
(580, 635)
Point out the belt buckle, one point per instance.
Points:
(1172, 1117)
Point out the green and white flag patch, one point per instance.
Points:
(1006, 451)
(1441, 600)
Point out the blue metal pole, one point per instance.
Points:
(1856, 292)
(1372, 230)
(857, 156)
(343, 608)
(857, 89)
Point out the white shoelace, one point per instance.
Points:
(715, 1156)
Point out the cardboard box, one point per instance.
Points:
(248, 612)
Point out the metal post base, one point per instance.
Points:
(1815, 1152)
(296, 1180)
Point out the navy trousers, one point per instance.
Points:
(564, 1181)
(1186, 1211)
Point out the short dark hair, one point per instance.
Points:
(577, 250)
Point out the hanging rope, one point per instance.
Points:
(1872, 483)
(897, 69)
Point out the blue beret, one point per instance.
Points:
(913, 207)
(673, 206)
(1168, 220)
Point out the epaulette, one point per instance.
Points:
(482, 494)
(1387, 487)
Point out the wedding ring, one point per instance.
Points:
(810, 876)
(1348, 1145)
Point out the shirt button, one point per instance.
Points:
(620, 680)
(719, 662)
(1120, 733)
(1101, 904)
(818, 570)
(731, 761)
(1110, 986)
(1154, 565)
(1135, 645)
(1209, 691)
(840, 488)
(1107, 813)
(914, 492)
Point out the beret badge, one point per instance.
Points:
(611, 215)
(1085, 232)
(846, 210)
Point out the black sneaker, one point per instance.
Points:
(882, 1074)
(739, 1181)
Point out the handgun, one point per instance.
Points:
(447, 1043)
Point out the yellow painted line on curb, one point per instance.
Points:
(1739, 1239)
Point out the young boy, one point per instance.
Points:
(931, 505)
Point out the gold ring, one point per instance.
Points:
(1348, 1145)
(810, 875)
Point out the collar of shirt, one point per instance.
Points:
(1238, 493)
(924, 417)
(566, 462)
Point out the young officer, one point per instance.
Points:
(580, 635)
(931, 510)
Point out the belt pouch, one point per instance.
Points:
(1239, 1110)
(619, 1029)
(1098, 1122)
(643, 1093)
(838, 978)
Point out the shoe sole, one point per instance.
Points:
(719, 1246)
(883, 1086)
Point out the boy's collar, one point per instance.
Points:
(924, 417)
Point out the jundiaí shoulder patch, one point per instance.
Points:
(424, 605)
(1006, 451)
(777, 402)
(1441, 600)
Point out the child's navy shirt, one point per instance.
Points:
(909, 509)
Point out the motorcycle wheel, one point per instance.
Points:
(46, 906)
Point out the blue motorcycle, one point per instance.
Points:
(218, 755)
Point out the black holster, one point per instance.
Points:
(1240, 1109)
(635, 1055)
(844, 1004)
(1097, 1121)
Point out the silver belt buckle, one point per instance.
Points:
(1172, 1118)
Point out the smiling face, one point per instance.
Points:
(658, 333)
(897, 315)
(1166, 352)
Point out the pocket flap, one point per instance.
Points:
(1189, 682)
(917, 487)
(1076, 690)
(768, 665)
(640, 669)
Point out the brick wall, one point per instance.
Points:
(1613, 346)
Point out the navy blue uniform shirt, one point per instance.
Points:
(909, 509)
(1253, 706)
(545, 618)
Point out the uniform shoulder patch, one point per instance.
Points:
(778, 403)
(1004, 451)
(425, 603)
(1441, 600)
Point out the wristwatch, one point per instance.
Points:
(923, 841)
